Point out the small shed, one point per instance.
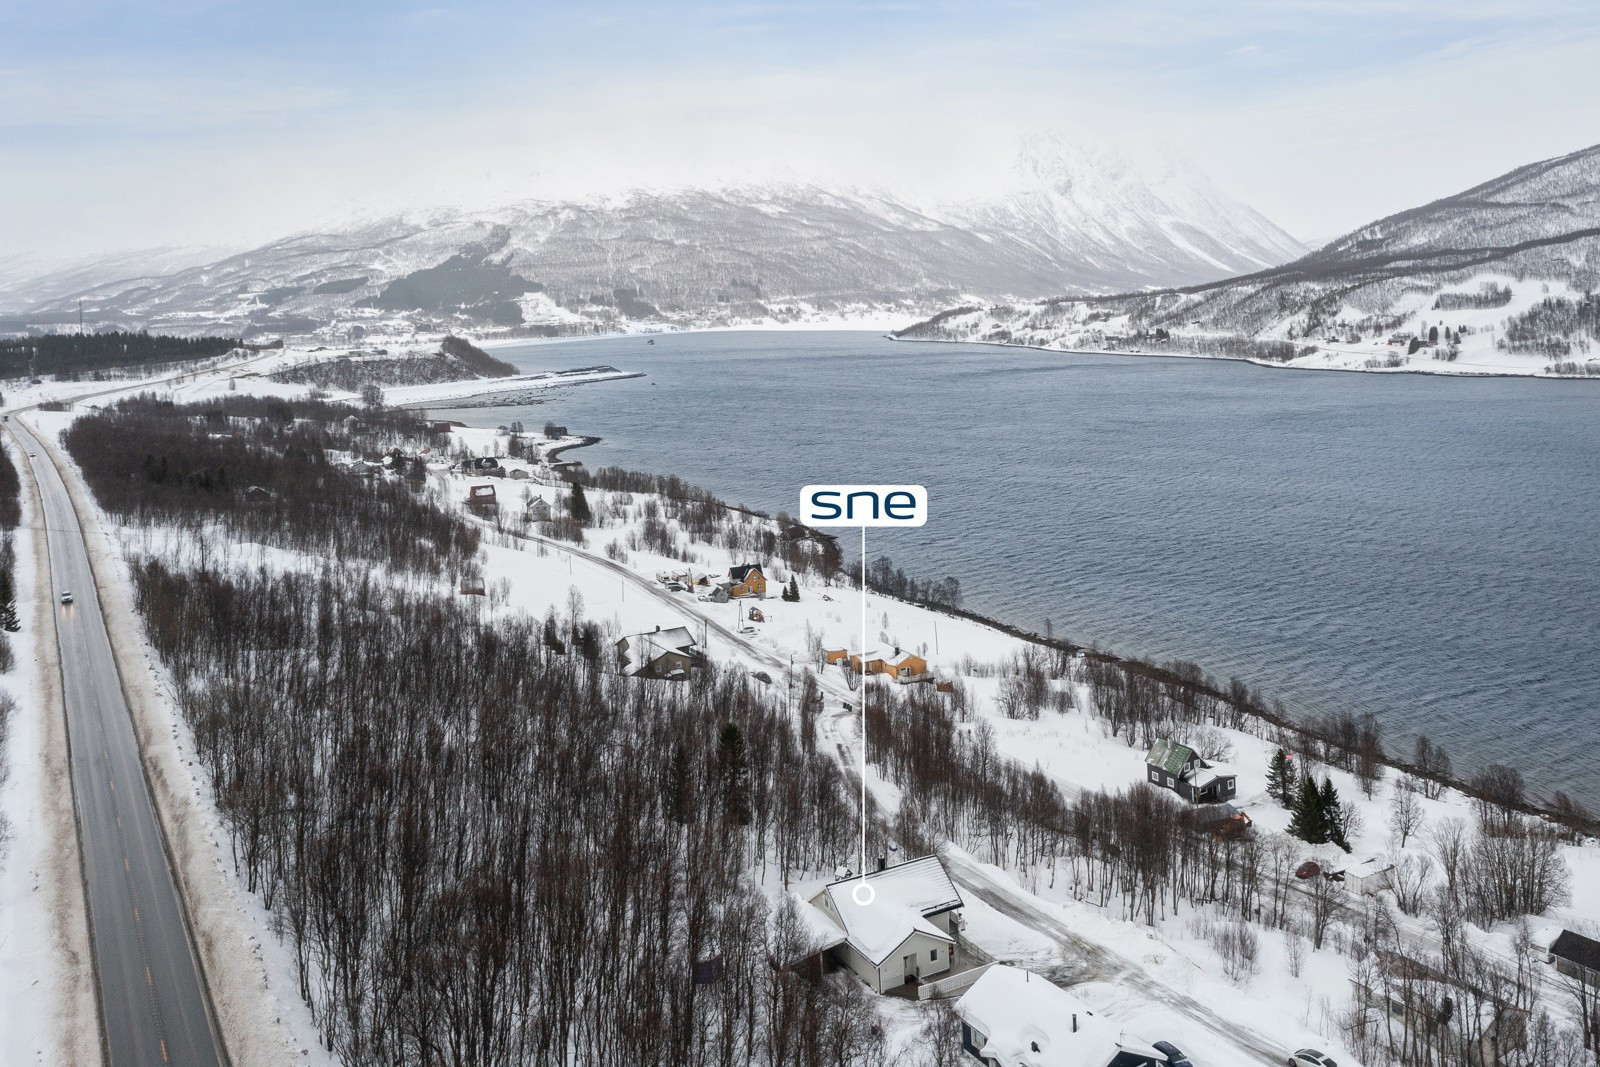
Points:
(1370, 877)
(1577, 957)
(481, 496)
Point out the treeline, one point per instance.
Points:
(1553, 327)
(1489, 295)
(686, 514)
(258, 469)
(71, 354)
(474, 358)
(884, 577)
(352, 375)
(10, 491)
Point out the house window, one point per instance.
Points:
(933, 955)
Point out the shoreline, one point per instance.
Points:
(1263, 717)
(1265, 364)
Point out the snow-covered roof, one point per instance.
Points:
(1027, 1022)
(1210, 772)
(903, 897)
(646, 648)
(1370, 866)
(886, 653)
(821, 931)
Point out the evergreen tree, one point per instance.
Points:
(580, 505)
(1310, 822)
(1280, 779)
(1333, 814)
(792, 593)
(8, 603)
(733, 768)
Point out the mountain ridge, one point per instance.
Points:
(1517, 255)
(692, 255)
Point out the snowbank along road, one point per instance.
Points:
(153, 1001)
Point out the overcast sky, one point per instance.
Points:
(176, 122)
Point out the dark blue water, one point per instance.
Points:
(1420, 547)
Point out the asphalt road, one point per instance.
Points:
(153, 1006)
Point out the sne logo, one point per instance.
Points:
(863, 505)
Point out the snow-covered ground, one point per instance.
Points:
(1092, 330)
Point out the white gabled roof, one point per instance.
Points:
(902, 898)
(1204, 776)
(1028, 1022)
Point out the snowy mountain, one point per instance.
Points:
(1506, 269)
(1072, 220)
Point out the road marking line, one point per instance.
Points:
(147, 979)
(136, 915)
(125, 864)
(164, 1051)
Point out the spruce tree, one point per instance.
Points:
(1310, 821)
(580, 505)
(1280, 779)
(1333, 814)
(733, 768)
(8, 603)
(792, 594)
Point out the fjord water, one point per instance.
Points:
(1421, 547)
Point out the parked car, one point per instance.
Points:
(675, 587)
(1308, 869)
(1310, 1057)
(747, 629)
(1174, 1055)
(66, 596)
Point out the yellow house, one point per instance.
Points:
(747, 581)
(830, 656)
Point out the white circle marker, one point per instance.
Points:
(863, 893)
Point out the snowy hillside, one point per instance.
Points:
(1073, 220)
(1495, 279)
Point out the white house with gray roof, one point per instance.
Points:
(908, 931)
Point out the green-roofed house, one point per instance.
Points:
(1178, 767)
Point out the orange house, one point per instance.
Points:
(903, 667)
(830, 656)
(747, 581)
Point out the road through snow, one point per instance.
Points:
(154, 1007)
